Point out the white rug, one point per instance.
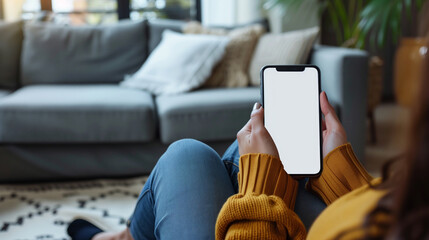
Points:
(43, 211)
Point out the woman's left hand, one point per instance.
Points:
(254, 137)
(334, 134)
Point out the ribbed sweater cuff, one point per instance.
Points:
(342, 173)
(255, 217)
(264, 174)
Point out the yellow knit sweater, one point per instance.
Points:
(263, 207)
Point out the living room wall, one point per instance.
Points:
(11, 10)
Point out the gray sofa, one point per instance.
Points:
(64, 116)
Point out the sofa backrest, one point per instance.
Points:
(157, 26)
(55, 54)
(10, 53)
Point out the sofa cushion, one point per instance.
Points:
(156, 28)
(206, 115)
(232, 70)
(4, 93)
(76, 114)
(54, 53)
(186, 69)
(290, 48)
(10, 53)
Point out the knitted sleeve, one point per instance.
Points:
(263, 208)
(342, 173)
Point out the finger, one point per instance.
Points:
(326, 106)
(257, 119)
(331, 119)
(323, 124)
(256, 106)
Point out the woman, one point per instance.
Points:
(193, 194)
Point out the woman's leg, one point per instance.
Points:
(183, 195)
(231, 159)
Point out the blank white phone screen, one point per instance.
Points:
(291, 105)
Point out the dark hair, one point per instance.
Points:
(411, 206)
(403, 213)
(406, 204)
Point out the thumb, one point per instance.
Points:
(257, 119)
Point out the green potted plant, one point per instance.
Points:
(345, 25)
(345, 20)
(399, 20)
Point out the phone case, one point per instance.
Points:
(298, 68)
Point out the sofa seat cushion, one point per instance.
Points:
(77, 114)
(206, 115)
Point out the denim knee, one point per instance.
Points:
(189, 151)
(186, 142)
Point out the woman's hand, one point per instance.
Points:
(334, 134)
(254, 137)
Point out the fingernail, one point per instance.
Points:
(256, 106)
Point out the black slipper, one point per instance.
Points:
(81, 229)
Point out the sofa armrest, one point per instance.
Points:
(344, 74)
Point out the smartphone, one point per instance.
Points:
(292, 116)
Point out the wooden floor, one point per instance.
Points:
(392, 123)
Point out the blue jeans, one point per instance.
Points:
(186, 190)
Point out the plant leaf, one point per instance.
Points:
(342, 13)
(335, 22)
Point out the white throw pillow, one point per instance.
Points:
(180, 63)
(282, 49)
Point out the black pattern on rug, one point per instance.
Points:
(43, 211)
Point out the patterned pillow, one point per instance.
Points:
(282, 49)
(232, 70)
